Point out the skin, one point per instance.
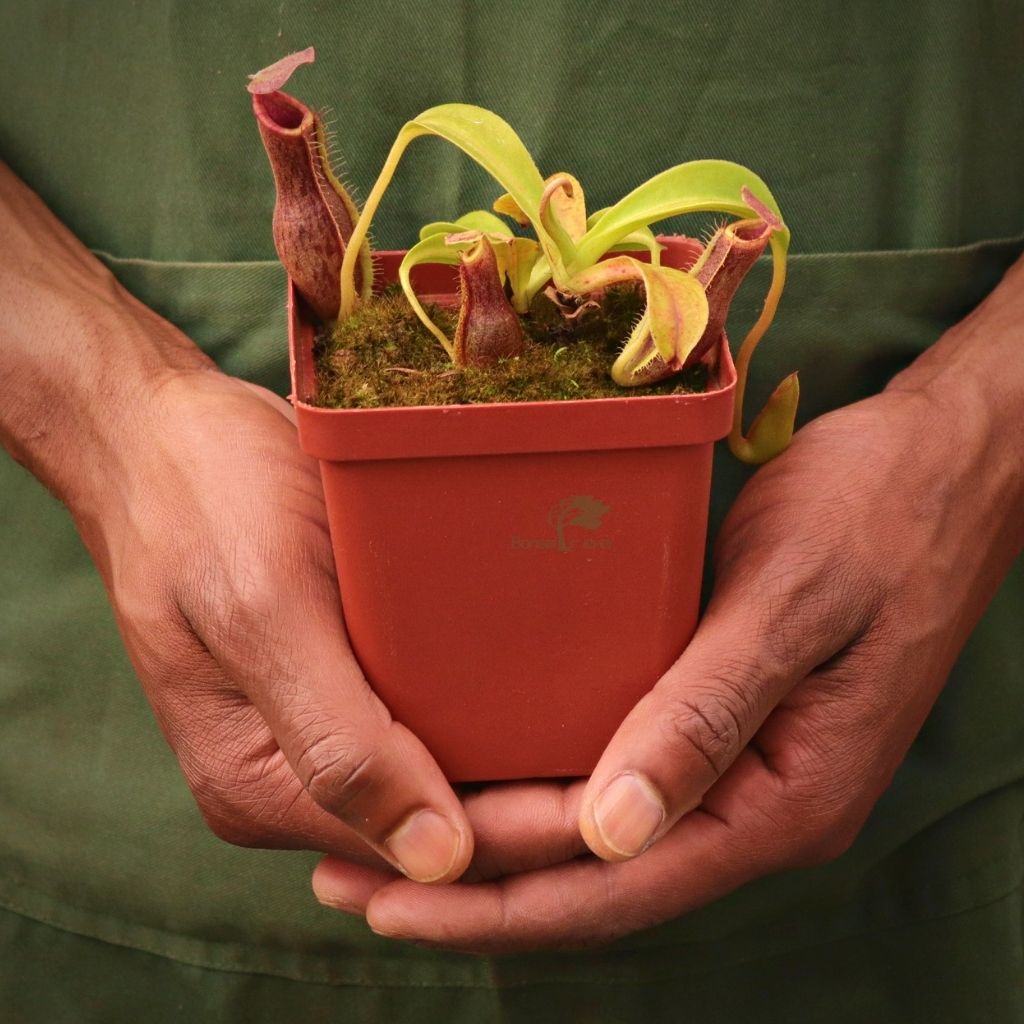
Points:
(848, 576)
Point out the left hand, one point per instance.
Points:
(849, 575)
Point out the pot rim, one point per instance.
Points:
(589, 424)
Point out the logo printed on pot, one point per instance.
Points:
(579, 511)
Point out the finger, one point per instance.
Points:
(754, 822)
(341, 885)
(517, 827)
(761, 635)
(281, 640)
(523, 826)
(582, 903)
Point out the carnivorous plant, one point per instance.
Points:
(321, 238)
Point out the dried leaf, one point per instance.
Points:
(274, 77)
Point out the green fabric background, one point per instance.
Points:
(893, 136)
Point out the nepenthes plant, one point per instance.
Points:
(572, 259)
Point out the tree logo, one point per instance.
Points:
(579, 510)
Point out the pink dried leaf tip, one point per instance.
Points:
(273, 78)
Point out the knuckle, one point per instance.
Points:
(707, 724)
(817, 835)
(335, 772)
(214, 797)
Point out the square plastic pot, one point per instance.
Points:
(516, 576)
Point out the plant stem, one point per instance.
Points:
(359, 232)
(756, 333)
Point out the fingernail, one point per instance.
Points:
(338, 903)
(425, 846)
(332, 892)
(628, 814)
(390, 932)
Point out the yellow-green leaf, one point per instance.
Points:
(433, 249)
(772, 430)
(485, 138)
(701, 185)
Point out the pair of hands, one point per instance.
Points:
(848, 575)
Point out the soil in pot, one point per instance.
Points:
(384, 356)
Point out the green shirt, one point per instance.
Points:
(893, 137)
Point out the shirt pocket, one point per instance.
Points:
(234, 311)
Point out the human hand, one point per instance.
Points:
(208, 526)
(210, 533)
(848, 576)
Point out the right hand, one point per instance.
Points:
(208, 526)
(211, 536)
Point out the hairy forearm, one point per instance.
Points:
(78, 354)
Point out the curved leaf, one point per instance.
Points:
(563, 209)
(507, 205)
(485, 138)
(700, 185)
(642, 238)
(737, 442)
(433, 249)
(475, 220)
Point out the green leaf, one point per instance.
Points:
(439, 227)
(475, 220)
(642, 238)
(701, 185)
(432, 249)
(485, 138)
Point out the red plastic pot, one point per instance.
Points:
(516, 576)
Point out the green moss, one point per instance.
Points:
(384, 356)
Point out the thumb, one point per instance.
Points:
(748, 652)
(290, 657)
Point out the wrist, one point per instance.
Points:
(76, 382)
(79, 356)
(970, 386)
